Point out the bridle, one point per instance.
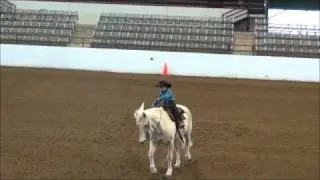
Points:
(147, 127)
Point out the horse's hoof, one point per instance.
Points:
(153, 170)
(193, 161)
(190, 159)
(177, 165)
(169, 173)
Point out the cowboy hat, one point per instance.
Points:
(163, 84)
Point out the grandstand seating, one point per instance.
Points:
(155, 32)
(170, 33)
(5, 5)
(287, 40)
(40, 27)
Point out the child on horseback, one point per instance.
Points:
(166, 99)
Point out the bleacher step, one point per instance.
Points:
(82, 35)
(243, 43)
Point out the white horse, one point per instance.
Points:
(155, 125)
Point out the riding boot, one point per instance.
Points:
(176, 120)
(176, 117)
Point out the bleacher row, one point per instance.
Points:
(34, 24)
(302, 42)
(39, 27)
(40, 15)
(5, 5)
(155, 32)
(164, 21)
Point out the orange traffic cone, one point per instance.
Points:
(165, 70)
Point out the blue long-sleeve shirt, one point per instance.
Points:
(166, 95)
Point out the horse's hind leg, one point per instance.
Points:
(170, 157)
(177, 151)
(188, 146)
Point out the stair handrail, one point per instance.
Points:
(234, 14)
(241, 15)
(230, 12)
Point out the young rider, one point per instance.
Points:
(166, 99)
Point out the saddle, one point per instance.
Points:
(180, 113)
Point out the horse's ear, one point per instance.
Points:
(141, 107)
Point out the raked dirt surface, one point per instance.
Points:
(61, 124)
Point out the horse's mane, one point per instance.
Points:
(158, 114)
(155, 109)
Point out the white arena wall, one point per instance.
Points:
(182, 64)
(137, 61)
(89, 12)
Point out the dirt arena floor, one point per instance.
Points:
(59, 124)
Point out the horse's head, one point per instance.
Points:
(142, 123)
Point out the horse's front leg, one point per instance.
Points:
(152, 150)
(170, 157)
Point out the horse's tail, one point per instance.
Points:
(188, 132)
(189, 118)
(190, 122)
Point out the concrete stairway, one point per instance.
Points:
(243, 42)
(82, 35)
